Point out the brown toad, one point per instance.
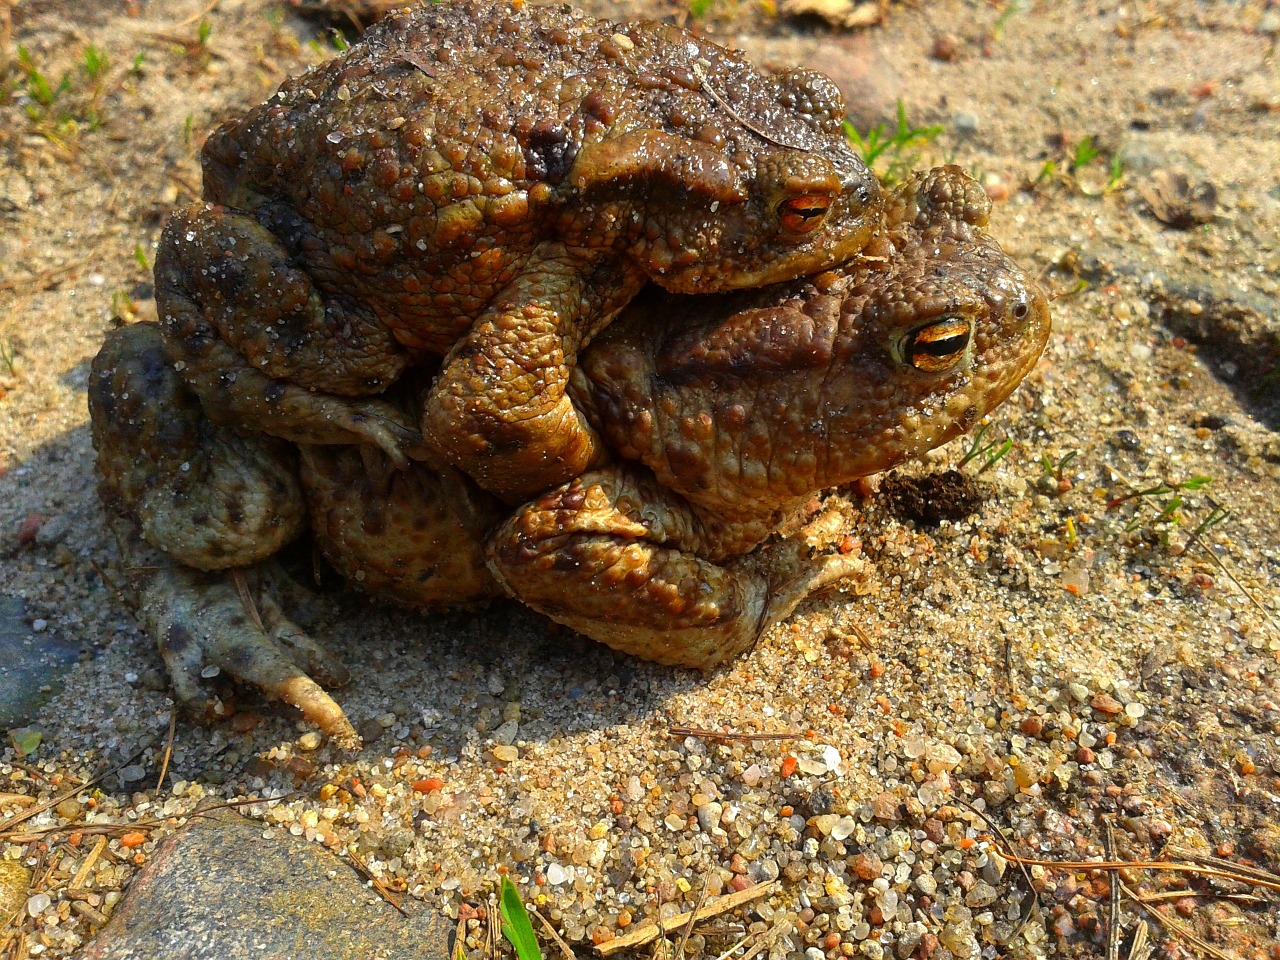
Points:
(489, 183)
(723, 416)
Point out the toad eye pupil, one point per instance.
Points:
(803, 213)
(941, 348)
(939, 345)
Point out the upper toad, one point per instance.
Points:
(490, 183)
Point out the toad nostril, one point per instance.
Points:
(1021, 310)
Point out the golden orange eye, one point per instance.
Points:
(938, 345)
(804, 213)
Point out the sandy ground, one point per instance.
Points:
(1058, 659)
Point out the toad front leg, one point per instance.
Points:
(258, 343)
(498, 410)
(618, 558)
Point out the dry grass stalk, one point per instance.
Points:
(1246, 875)
(78, 881)
(381, 888)
(1176, 927)
(651, 931)
(40, 808)
(1113, 916)
(565, 950)
(1140, 949)
(168, 749)
(726, 736)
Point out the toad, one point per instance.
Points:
(489, 183)
(723, 416)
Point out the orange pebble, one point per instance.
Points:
(428, 785)
(135, 839)
(789, 764)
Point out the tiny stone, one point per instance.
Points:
(825, 824)
(309, 741)
(1105, 703)
(38, 626)
(813, 766)
(942, 756)
(945, 46)
(506, 733)
(505, 753)
(843, 828)
(886, 805)
(556, 875)
(965, 124)
(867, 866)
(1135, 710)
(38, 904)
(751, 775)
(709, 816)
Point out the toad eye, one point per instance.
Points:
(803, 214)
(938, 345)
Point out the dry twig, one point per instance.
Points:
(726, 736)
(380, 887)
(551, 932)
(168, 749)
(651, 931)
(1113, 917)
(1176, 926)
(40, 808)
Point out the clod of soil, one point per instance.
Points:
(934, 497)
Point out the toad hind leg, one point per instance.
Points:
(498, 410)
(205, 620)
(615, 557)
(261, 347)
(186, 496)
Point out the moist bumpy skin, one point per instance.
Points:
(723, 416)
(489, 183)
(729, 413)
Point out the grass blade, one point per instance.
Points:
(515, 923)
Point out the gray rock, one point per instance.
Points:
(965, 124)
(31, 663)
(216, 890)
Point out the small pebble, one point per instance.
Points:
(945, 47)
(309, 741)
(1105, 703)
(965, 124)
